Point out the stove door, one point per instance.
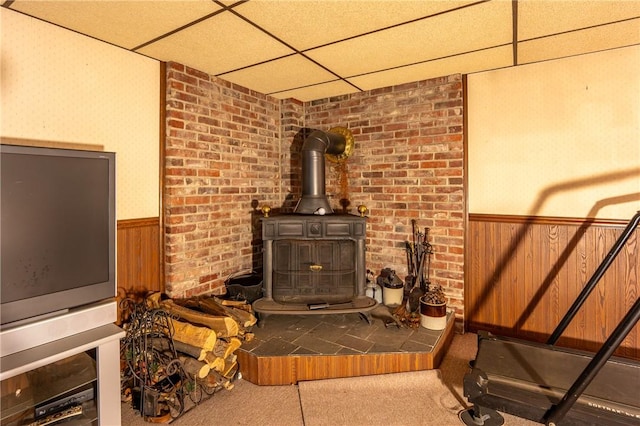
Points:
(314, 271)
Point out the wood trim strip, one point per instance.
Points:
(544, 220)
(161, 172)
(138, 223)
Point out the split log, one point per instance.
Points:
(224, 326)
(230, 369)
(187, 349)
(190, 334)
(217, 380)
(245, 318)
(197, 303)
(216, 363)
(153, 300)
(232, 346)
(240, 304)
(224, 348)
(195, 368)
(214, 306)
(161, 344)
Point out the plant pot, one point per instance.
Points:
(433, 316)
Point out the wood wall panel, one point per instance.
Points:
(139, 255)
(524, 273)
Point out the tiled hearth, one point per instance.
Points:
(290, 348)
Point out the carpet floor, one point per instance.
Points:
(431, 397)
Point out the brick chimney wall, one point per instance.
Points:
(230, 150)
(221, 162)
(407, 164)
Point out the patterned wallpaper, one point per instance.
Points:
(557, 138)
(59, 86)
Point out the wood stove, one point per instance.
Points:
(313, 259)
(314, 264)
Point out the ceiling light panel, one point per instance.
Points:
(216, 45)
(123, 23)
(472, 28)
(307, 24)
(538, 18)
(281, 74)
(595, 39)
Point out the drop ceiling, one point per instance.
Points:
(308, 49)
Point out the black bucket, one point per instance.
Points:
(245, 286)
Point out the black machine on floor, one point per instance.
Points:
(557, 386)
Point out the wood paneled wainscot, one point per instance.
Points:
(139, 255)
(523, 274)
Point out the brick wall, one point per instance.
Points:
(230, 150)
(221, 162)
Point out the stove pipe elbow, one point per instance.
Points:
(314, 199)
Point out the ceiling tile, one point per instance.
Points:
(281, 74)
(319, 91)
(595, 39)
(124, 23)
(307, 24)
(499, 57)
(538, 18)
(481, 26)
(219, 44)
(349, 45)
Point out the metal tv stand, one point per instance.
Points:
(104, 339)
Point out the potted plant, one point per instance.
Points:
(433, 308)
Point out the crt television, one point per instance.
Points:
(57, 231)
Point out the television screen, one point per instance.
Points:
(57, 229)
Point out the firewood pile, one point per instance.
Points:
(177, 352)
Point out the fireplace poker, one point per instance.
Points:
(328, 306)
(420, 277)
(413, 231)
(410, 271)
(429, 250)
(419, 249)
(407, 246)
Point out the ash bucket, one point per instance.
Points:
(244, 286)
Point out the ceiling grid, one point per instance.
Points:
(313, 49)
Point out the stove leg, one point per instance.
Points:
(260, 317)
(366, 316)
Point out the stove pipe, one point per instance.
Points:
(314, 199)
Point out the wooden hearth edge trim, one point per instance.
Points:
(290, 369)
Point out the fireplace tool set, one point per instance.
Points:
(407, 299)
(419, 252)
